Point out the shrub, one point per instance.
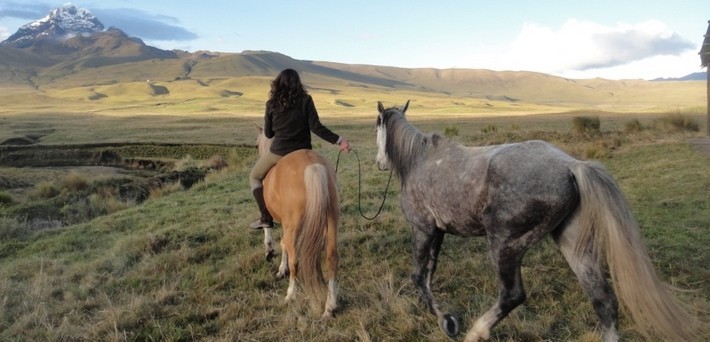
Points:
(12, 228)
(615, 142)
(5, 198)
(38, 210)
(633, 126)
(451, 131)
(676, 123)
(102, 204)
(217, 175)
(586, 124)
(93, 206)
(185, 163)
(73, 182)
(216, 162)
(44, 190)
(76, 212)
(597, 151)
(489, 129)
(165, 190)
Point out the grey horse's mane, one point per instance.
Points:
(405, 143)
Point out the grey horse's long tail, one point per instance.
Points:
(608, 226)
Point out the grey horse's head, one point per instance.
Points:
(382, 160)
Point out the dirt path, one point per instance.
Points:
(702, 145)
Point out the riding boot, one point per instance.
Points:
(266, 221)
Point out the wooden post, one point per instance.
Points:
(705, 62)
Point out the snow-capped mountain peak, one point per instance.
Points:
(71, 18)
(60, 24)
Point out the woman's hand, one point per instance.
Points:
(344, 145)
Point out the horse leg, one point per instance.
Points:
(331, 260)
(591, 277)
(288, 247)
(283, 266)
(427, 244)
(268, 244)
(507, 261)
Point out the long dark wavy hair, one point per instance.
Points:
(286, 90)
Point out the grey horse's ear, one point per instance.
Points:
(380, 107)
(404, 107)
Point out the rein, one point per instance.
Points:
(359, 186)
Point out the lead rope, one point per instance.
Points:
(359, 186)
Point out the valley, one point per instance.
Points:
(125, 198)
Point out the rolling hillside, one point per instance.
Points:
(69, 59)
(242, 80)
(91, 250)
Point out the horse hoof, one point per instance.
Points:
(270, 255)
(449, 325)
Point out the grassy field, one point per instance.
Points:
(184, 266)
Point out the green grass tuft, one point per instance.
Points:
(451, 131)
(6, 198)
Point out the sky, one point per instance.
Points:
(613, 39)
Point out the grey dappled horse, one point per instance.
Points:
(514, 195)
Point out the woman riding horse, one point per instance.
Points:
(290, 118)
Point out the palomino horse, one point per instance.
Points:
(301, 193)
(515, 194)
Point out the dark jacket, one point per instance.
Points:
(291, 129)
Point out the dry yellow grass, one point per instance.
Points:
(182, 265)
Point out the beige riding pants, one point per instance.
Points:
(261, 168)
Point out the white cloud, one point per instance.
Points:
(579, 46)
(648, 68)
(4, 33)
(145, 25)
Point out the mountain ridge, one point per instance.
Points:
(64, 57)
(67, 40)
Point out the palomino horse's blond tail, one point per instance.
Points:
(317, 230)
(609, 227)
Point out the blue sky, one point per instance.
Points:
(576, 39)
